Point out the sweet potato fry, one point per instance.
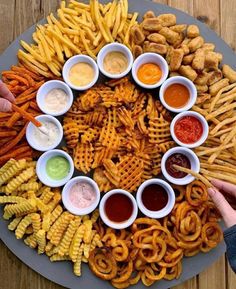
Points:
(23, 99)
(8, 133)
(14, 76)
(13, 142)
(4, 114)
(26, 115)
(31, 89)
(16, 116)
(17, 153)
(34, 105)
(22, 69)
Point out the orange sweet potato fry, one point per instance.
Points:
(4, 149)
(25, 98)
(17, 153)
(11, 75)
(23, 69)
(33, 104)
(4, 114)
(16, 115)
(26, 115)
(8, 133)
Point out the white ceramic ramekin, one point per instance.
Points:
(41, 168)
(179, 80)
(194, 163)
(169, 206)
(69, 205)
(150, 58)
(46, 88)
(204, 127)
(30, 135)
(77, 59)
(116, 225)
(119, 48)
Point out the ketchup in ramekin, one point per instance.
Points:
(189, 129)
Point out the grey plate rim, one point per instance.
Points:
(62, 272)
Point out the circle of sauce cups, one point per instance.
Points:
(152, 67)
(178, 94)
(189, 129)
(81, 195)
(58, 94)
(55, 168)
(118, 209)
(39, 140)
(83, 69)
(155, 198)
(183, 157)
(115, 60)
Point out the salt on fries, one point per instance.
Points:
(80, 28)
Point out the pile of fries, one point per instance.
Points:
(80, 28)
(153, 250)
(38, 217)
(119, 132)
(24, 84)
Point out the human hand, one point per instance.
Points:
(7, 98)
(224, 196)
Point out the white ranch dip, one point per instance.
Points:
(56, 100)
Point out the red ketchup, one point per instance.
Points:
(188, 129)
(154, 197)
(180, 160)
(118, 208)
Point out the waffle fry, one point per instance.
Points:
(83, 157)
(113, 124)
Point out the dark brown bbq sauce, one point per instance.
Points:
(154, 197)
(180, 160)
(118, 208)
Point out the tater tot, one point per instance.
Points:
(211, 60)
(176, 58)
(149, 14)
(201, 88)
(196, 43)
(188, 71)
(156, 48)
(229, 73)
(137, 34)
(208, 47)
(202, 78)
(171, 36)
(151, 24)
(179, 28)
(188, 59)
(137, 50)
(214, 88)
(199, 60)
(193, 31)
(214, 76)
(157, 38)
(185, 49)
(167, 19)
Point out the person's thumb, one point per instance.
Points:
(227, 212)
(5, 105)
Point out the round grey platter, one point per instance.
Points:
(62, 272)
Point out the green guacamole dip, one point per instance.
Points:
(57, 168)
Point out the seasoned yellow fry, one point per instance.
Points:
(196, 175)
